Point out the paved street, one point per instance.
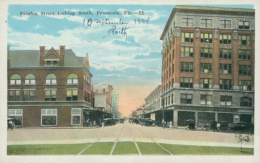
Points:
(123, 132)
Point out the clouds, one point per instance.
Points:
(112, 57)
(23, 17)
(37, 26)
(151, 55)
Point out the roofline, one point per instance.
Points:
(158, 86)
(216, 9)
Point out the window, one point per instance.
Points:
(244, 54)
(72, 95)
(206, 37)
(186, 52)
(244, 40)
(15, 79)
(49, 117)
(87, 96)
(50, 95)
(225, 54)
(244, 69)
(187, 22)
(29, 79)
(243, 25)
(245, 85)
(173, 69)
(54, 62)
(17, 115)
(51, 79)
(205, 67)
(225, 24)
(205, 99)
(75, 116)
(226, 100)
(186, 98)
(205, 83)
(206, 23)
(187, 37)
(172, 99)
(224, 39)
(14, 95)
(186, 67)
(48, 62)
(225, 69)
(225, 84)
(246, 101)
(29, 95)
(72, 79)
(205, 53)
(51, 62)
(186, 82)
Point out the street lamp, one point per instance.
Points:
(163, 113)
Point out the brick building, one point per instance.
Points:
(49, 88)
(208, 65)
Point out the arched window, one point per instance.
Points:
(72, 79)
(51, 79)
(29, 79)
(245, 101)
(15, 79)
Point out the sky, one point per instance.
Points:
(124, 50)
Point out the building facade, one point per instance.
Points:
(49, 88)
(115, 103)
(103, 97)
(208, 65)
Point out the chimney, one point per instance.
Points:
(8, 59)
(42, 49)
(62, 49)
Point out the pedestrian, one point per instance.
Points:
(94, 123)
(103, 125)
(88, 123)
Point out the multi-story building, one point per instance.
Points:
(103, 98)
(208, 64)
(49, 88)
(115, 103)
(152, 106)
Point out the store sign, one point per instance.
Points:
(206, 109)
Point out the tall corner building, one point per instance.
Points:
(208, 65)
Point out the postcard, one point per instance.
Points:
(146, 82)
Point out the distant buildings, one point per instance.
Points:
(115, 103)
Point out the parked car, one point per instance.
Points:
(223, 126)
(148, 122)
(109, 121)
(10, 123)
(240, 126)
(121, 120)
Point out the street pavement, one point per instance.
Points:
(123, 132)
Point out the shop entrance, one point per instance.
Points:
(204, 117)
(225, 117)
(87, 118)
(245, 118)
(183, 116)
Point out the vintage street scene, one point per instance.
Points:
(131, 80)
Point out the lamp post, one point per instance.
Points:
(163, 113)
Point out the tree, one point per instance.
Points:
(241, 138)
